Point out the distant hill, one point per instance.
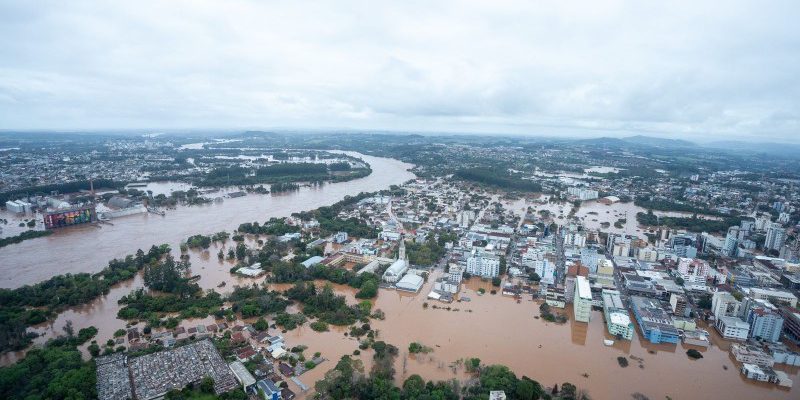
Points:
(783, 149)
(658, 142)
(636, 141)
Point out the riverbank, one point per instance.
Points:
(88, 248)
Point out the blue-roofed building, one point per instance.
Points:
(656, 325)
(269, 390)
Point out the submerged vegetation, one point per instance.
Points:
(34, 304)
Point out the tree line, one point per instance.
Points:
(33, 304)
(499, 178)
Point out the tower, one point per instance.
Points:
(401, 255)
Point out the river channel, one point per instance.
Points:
(88, 248)
(494, 328)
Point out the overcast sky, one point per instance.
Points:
(704, 71)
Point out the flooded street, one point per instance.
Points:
(88, 248)
(494, 328)
(595, 215)
(500, 331)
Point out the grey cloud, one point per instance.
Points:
(685, 68)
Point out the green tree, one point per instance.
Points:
(207, 385)
(261, 324)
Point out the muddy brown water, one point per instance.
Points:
(494, 328)
(88, 248)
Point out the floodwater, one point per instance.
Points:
(498, 330)
(593, 214)
(88, 248)
(494, 328)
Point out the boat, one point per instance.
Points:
(608, 342)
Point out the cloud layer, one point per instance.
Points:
(689, 69)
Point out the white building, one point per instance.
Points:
(774, 296)
(776, 236)
(455, 273)
(618, 321)
(546, 271)
(723, 304)
(732, 328)
(581, 193)
(399, 267)
(744, 353)
(693, 267)
(18, 206)
(485, 265)
(582, 302)
(648, 254)
(574, 238)
(410, 283)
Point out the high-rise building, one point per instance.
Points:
(485, 265)
(590, 258)
(776, 236)
(765, 321)
(731, 241)
(723, 304)
(582, 303)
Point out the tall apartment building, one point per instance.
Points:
(583, 193)
(677, 303)
(590, 258)
(765, 323)
(485, 265)
(731, 242)
(582, 302)
(693, 267)
(776, 236)
(723, 304)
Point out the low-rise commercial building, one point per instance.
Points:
(750, 354)
(655, 324)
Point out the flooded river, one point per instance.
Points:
(494, 328)
(88, 248)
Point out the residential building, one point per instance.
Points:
(582, 302)
(590, 258)
(693, 267)
(678, 304)
(723, 304)
(483, 264)
(732, 328)
(791, 322)
(775, 238)
(764, 320)
(582, 194)
(731, 242)
(750, 354)
(269, 389)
